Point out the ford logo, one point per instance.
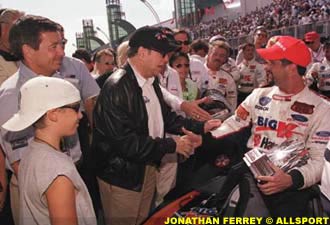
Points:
(323, 133)
(264, 101)
(299, 118)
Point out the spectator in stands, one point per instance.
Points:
(48, 179)
(313, 41)
(8, 62)
(220, 79)
(319, 74)
(84, 56)
(252, 73)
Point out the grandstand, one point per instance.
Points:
(280, 17)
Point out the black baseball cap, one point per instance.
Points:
(153, 38)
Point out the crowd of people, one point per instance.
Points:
(87, 138)
(279, 14)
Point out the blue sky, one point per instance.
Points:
(70, 13)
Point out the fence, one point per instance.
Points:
(298, 31)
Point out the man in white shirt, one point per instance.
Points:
(312, 40)
(219, 78)
(252, 73)
(318, 76)
(131, 118)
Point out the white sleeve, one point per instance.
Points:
(239, 120)
(261, 75)
(309, 77)
(231, 94)
(318, 137)
(235, 73)
(173, 101)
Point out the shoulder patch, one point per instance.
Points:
(302, 108)
(242, 113)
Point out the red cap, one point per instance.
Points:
(287, 47)
(311, 36)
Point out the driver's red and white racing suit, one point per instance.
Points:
(277, 116)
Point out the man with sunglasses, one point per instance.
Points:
(313, 41)
(286, 111)
(260, 38)
(197, 69)
(130, 120)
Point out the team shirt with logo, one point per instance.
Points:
(276, 117)
(320, 72)
(223, 81)
(198, 72)
(252, 74)
(230, 67)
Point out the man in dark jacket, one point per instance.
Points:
(131, 119)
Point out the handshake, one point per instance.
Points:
(186, 144)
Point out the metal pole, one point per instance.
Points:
(149, 6)
(99, 29)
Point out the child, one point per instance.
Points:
(51, 190)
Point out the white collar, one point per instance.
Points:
(140, 79)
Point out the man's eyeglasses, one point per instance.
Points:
(181, 65)
(182, 42)
(74, 107)
(309, 42)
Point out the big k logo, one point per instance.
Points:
(283, 129)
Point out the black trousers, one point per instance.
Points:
(289, 203)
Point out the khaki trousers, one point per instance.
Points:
(166, 176)
(125, 207)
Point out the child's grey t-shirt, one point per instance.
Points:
(39, 167)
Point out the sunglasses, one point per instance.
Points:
(309, 42)
(74, 107)
(182, 42)
(181, 65)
